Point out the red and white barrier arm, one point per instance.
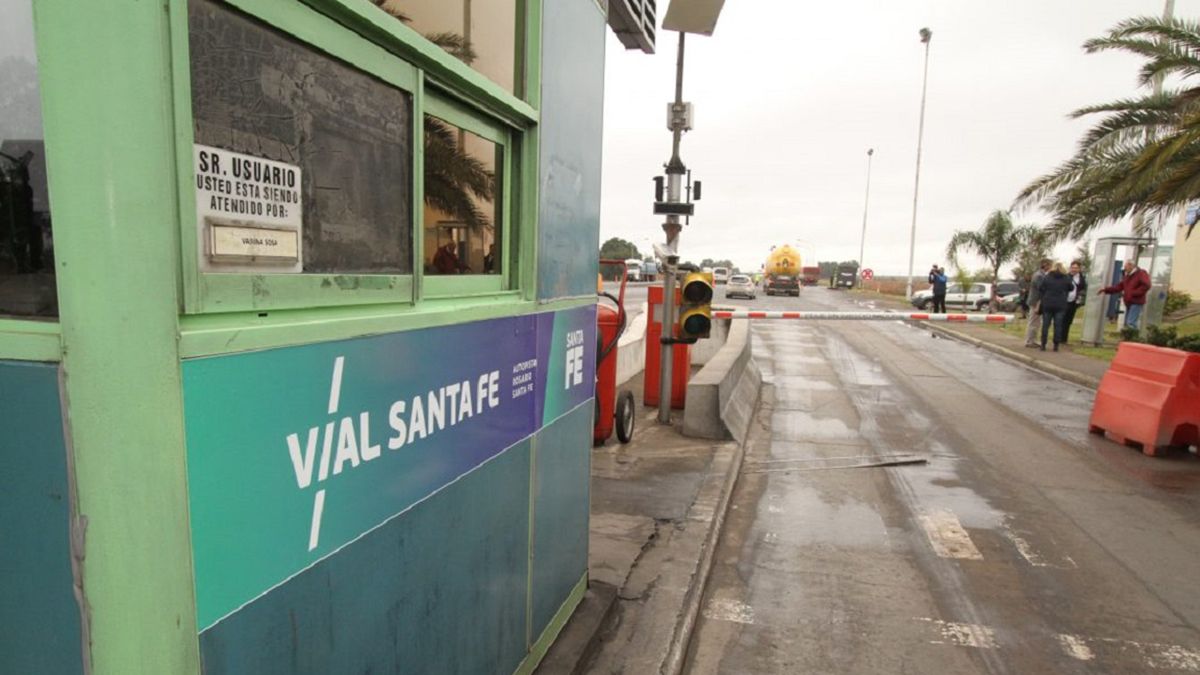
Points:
(861, 316)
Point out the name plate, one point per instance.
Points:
(253, 244)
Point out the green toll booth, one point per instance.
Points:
(297, 332)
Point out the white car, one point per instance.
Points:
(973, 296)
(740, 284)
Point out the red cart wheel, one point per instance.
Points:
(624, 416)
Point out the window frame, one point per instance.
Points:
(368, 39)
(433, 286)
(207, 292)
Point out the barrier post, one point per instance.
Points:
(680, 360)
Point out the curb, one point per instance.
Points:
(1033, 362)
(681, 638)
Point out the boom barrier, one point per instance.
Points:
(862, 316)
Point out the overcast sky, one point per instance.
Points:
(790, 95)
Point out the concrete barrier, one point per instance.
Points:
(631, 348)
(721, 397)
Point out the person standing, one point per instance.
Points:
(1078, 295)
(937, 277)
(1035, 310)
(1133, 287)
(1053, 291)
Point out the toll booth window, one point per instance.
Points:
(480, 33)
(343, 135)
(26, 245)
(462, 215)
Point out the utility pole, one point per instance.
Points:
(672, 227)
(926, 36)
(862, 242)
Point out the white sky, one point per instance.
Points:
(789, 95)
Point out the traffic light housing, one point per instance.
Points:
(695, 312)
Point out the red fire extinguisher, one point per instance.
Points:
(610, 406)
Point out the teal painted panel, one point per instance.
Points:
(295, 452)
(572, 109)
(440, 589)
(562, 469)
(38, 613)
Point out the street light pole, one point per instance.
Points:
(926, 36)
(675, 173)
(862, 242)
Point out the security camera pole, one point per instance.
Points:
(677, 121)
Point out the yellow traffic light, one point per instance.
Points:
(695, 314)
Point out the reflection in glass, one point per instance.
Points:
(26, 246)
(480, 33)
(462, 218)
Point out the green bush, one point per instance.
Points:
(1176, 300)
(1159, 336)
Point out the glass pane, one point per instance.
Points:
(480, 33)
(462, 208)
(26, 245)
(260, 92)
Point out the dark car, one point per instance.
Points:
(782, 284)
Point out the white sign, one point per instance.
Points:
(248, 212)
(252, 244)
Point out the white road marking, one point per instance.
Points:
(335, 387)
(947, 536)
(1032, 556)
(1157, 655)
(771, 508)
(729, 610)
(962, 634)
(771, 537)
(1076, 647)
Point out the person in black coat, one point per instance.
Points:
(1055, 287)
(1078, 296)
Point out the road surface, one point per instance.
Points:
(1021, 545)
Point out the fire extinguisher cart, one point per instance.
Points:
(611, 406)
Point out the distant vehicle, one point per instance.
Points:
(972, 296)
(781, 284)
(720, 275)
(781, 270)
(740, 284)
(633, 269)
(810, 276)
(1007, 288)
(649, 270)
(844, 276)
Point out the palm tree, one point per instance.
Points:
(1144, 153)
(997, 242)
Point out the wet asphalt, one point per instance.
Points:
(1003, 539)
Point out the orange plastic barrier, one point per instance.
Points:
(680, 355)
(1151, 396)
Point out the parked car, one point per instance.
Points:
(721, 275)
(973, 296)
(781, 284)
(740, 285)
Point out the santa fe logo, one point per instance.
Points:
(345, 441)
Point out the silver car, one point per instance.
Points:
(740, 284)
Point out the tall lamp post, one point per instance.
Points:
(862, 242)
(926, 35)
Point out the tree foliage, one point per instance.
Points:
(1143, 155)
(620, 249)
(998, 241)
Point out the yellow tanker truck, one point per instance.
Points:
(781, 271)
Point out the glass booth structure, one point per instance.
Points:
(296, 346)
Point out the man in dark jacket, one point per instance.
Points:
(937, 278)
(1133, 287)
(1035, 309)
(1078, 295)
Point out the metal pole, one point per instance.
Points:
(926, 36)
(675, 172)
(862, 242)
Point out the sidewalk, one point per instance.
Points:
(1082, 370)
(656, 510)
